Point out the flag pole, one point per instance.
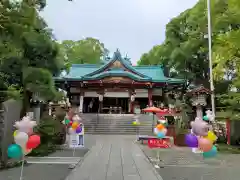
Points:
(210, 56)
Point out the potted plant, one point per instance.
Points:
(180, 137)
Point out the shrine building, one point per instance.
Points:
(115, 86)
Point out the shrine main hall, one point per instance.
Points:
(115, 86)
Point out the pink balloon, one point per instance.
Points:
(33, 142)
(205, 144)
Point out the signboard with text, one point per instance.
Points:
(159, 143)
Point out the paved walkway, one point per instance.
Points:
(114, 157)
(181, 164)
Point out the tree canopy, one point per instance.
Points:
(88, 50)
(185, 49)
(29, 57)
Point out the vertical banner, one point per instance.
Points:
(81, 137)
(74, 141)
(77, 140)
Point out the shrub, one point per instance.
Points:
(60, 114)
(52, 134)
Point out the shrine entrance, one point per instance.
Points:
(115, 105)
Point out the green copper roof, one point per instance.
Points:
(117, 57)
(83, 72)
(116, 73)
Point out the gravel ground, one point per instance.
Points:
(181, 164)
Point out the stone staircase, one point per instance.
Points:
(116, 124)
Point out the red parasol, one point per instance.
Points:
(152, 110)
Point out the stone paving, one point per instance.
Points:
(37, 172)
(181, 164)
(115, 157)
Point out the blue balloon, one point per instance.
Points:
(205, 118)
(160, 135)
(211, 153)
(14, 151)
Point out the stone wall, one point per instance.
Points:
(9, 113)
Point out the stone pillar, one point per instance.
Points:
(81, 99)
(199, 111)
(68, 98)
(150, 103)
(37, 113)
(100, 98)
(132, 100)
(50, 108)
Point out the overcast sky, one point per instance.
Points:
(133, 26)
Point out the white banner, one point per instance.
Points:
(76, 141)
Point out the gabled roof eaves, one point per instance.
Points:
(117, 57)
(116, 74)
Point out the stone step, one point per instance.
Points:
(116, 124)
(120, 125)
(117, 130)
(117, 133)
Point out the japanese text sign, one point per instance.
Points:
(159, 143)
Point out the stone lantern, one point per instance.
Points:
(132, 97)
(100, 98)
(36, 101)
(198, 98)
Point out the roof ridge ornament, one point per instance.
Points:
(117, 55)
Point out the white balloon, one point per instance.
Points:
(164, 131)
(21, 138)
(208, 112)
(156, 131)
(25, 125)
(24, 129)
(71, 131)
(76, 118)
(162, 121)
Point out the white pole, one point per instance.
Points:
(210, 55)
(74, 149)
(21, 175)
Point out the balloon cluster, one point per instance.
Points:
(160, 130)
(24, 138)
(201, 137)
(209, 116)
(74, 125)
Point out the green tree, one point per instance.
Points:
(28, 54)
(88, 50)
(185, 49)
